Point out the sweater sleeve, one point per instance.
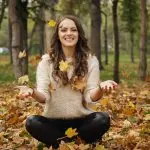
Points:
(42, 76)
(93, 78)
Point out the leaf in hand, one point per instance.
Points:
(23, 80)
(71, 132)
(22, 54)
(24, 90)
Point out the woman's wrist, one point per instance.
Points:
(31, 91)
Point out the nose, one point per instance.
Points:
(68, 32)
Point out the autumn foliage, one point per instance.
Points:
(129, 108)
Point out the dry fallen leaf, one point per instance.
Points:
(126, 124)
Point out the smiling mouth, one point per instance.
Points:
(69, 39)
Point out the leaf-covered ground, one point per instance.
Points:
(129, 108)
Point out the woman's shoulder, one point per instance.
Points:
(92, 59)
(45, 60)
(45, 57)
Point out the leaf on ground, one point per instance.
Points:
(126, 124)
(100, 147)
(147, 117)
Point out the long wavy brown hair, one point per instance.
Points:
(81, 54)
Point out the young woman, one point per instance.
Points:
(67, 81)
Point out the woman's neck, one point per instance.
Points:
(68, 51)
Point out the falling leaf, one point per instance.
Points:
(22, 54)
(71, 132)
(64, 66)
(79, 84)
(52, 23)
(23, 80)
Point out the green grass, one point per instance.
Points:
(128, 70)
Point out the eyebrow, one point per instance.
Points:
(66, 27)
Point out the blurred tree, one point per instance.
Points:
(105, 38)
(143, 40)
(22, 8)
(96, 30)
(3, 5)
(49, 13)
(130, 14)
(116, 40)
(15, 21)
(41, 11)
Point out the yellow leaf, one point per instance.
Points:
(147, 117)
(128, 111)
(100, 147)
(23, 80)
(84, 146)
(63, 66)
(52, 23)
(71, 132)
(126, 124)
(131, 105)
(22, 54)
(104, 102)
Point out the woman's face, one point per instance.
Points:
(68, 33)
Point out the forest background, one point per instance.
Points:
(118, 33)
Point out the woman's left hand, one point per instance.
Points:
(108, 86)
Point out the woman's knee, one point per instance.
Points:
(31, 122)
(103, 118)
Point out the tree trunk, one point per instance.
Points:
(41, 31)
(32, 34)
(16, 37)
(143, 41)
(3, 6)
(105, 39)
(132, 46)
(10, 40)
(48, 31)
(96, 30)
(24, 16)
(116, 40)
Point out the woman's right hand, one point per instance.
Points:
(24, 92)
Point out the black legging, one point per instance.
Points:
(47, 130)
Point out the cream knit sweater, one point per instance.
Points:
(65, 102)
